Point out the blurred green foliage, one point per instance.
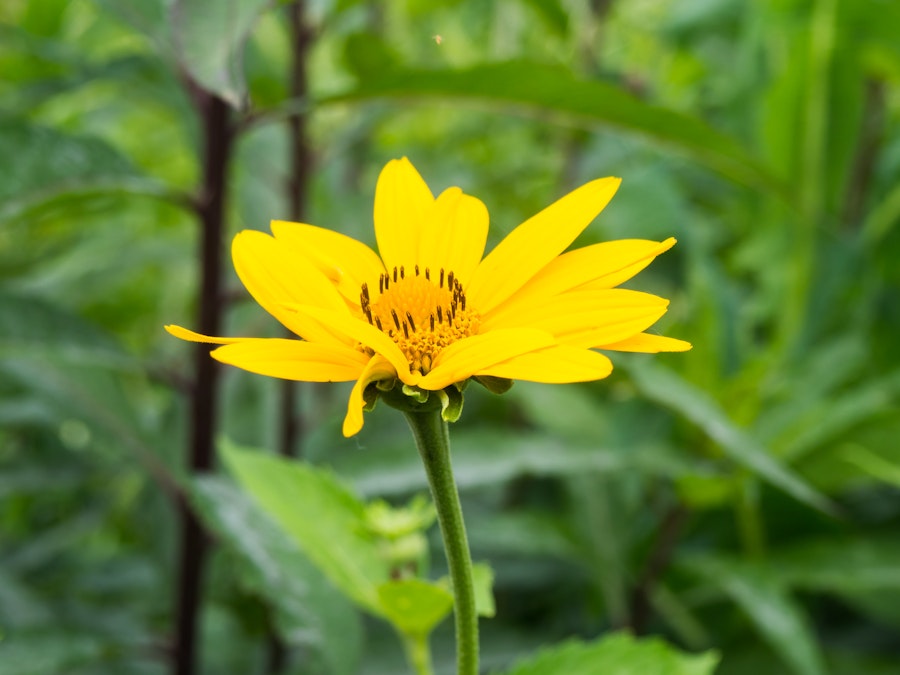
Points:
(742, 497)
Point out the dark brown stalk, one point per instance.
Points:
(870, 136)
(657, 562)
(217, 137)
(302, 36)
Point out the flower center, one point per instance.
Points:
(421, 314)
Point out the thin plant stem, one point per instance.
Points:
(418, 653)
(433, 441)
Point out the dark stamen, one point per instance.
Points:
(405, 330)
(402, 273)
(428, 274)
(378, 323)
(412, 324)
(395, 275)
(369, 315)
(450, 281)
(417, 270)
(442, 278)
(432, 322)
(462, 302)
(440, 315)
(396, 318)
(381, 284)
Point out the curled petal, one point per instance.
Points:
(378, 368)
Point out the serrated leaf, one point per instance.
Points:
(310, 613)
(616, 654)
(665, 387)
(210, 39)
(322, 517)
(414, 606)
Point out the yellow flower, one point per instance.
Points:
(429, 310)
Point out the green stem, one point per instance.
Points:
(433, 441)
(418, 653)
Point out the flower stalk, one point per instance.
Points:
(433, 442)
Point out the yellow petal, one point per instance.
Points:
(651, 344)
(276, 276)
(294, 359)
(378, 368)
(617, 312)
(346, 262)
(402, 203)
(595, 267)
(555, 365)
(454, 234)
(191, 336)
(536, 242)
(358, 331)
(470, 356)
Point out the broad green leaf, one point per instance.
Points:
(549, 91)
(414, 606)
(616, 654)
(777, 616)
(841, 565)
(665, 387)
(322, 517)
(310, 613)
(210, 38)
(42, 165)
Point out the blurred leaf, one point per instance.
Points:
(665, 387)
(322, 517)
(415, 606)
(41, 164)
(310, 613)
(210, 38)
(873, 464)
(777, 616)
(398, 470)
(616, 654)
(546, 90)
(43, 653)
(483, 578)
(840, 565)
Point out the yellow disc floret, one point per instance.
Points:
(420, 313)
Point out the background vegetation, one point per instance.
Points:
(741, 497)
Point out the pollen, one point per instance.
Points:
(422, 311)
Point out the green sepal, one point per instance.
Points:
(370, 397)
(451, 402)
(495, 385)
(418, 395)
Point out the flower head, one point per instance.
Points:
(429, 312)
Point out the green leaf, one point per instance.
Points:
(483, 579)
(778, 617)
(544, 90)
(322, 517)
(309, 612)
(616, 654)
(414, 606)
(51, 652)
(210, 39)
(396, 470)
(665, 387)
(41, 165)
